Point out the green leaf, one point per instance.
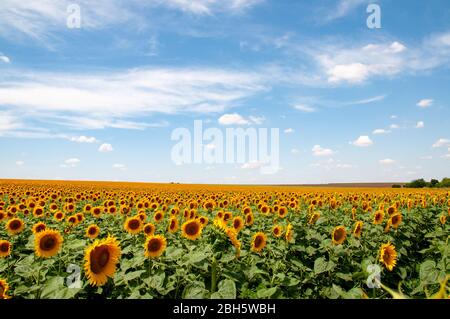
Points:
(226, 290)
(428, 272)
(321, 265)
(133, 275)
(266, 292)
(195, 290)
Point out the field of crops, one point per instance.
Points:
(112, 240)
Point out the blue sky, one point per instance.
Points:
(100, 102)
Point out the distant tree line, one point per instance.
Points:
(422, 183)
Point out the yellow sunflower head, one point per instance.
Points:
(154, 246)
(339, 234)
(314, 218)
(92, 231)
(59, 216)
(101, 259)
(238, 223)
(47, 243)
(173, 225)
(282, 212)
(277, 231)
(388, 256)
(203, 220)
(38, 227)
(442, 219)
(192, 229)
(289, 232)
(15, 226)
(259, 241)
(159, 216)
(149, 229)
(5, 248)
(249, 219)
(396, 220)
(4, 289)
(133, 225)
(378, 217)
(357, 231)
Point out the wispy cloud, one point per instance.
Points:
(320, 151)
(341, 9)
(304, 108)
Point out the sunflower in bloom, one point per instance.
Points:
(101, 259)
(442, 219)
(314, 218)
(133, 225)
(388, 256)
(154, 246)
(289, 233)
(395, 220)
(173, 225)
(203, 220)
(358, 229)
(149, 229)
(259, 241)
(192, 229)
(47, 243)
(277, 231)
(4, 289)
(15, 226)
(282, 212)
(59, 216)
(5, 248)
(238, 223)
(378, 217)
(38, 227)
(92, 231)
(97, 212)
(339, 234)
(159, 216)
(249, 219)
(232, 235)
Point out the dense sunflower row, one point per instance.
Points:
(216, 241)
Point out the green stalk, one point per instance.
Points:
(213, 275)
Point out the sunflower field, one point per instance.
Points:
(126, 240)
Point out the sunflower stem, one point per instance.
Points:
(213, 275)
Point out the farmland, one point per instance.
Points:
(131, 240)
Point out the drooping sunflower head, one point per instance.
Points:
(15, 226)
(133, 225)
(5, 248)
(192, 229)
(4, 287)
(289, 232)
(101, 259)
(442, 219)
(238, 223)
(396, 220)
(149, 229)
(155, 246)
(339, 234)
(92, 231)
(259, 241)
(388, 256)
(357, 231)
(314, 218)
(173, 225)
(277, 231)
(38, 227)
(378, 217)
(47, 243)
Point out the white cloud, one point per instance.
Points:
(353, 73)
(121, 167)
(289, 131)
(71, 162)
(295, 151)
(20, 163)
(363, 141)
(380, 131)
(319, 151)
(394, 126)
(387, 161)
(368, 100)
(252, 165)
(233, 119)
(425, 103)
(304, 108)
(393, 117)
(429, 157)
(4, 58)
(9, 122)
(420, 124)
(105, 148)
(342, 8)
(83, 139)
(208, 7)
(441, 143)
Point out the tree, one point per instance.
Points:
(434, 182)
(445, 182)
(418, 183)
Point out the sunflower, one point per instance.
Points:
(159, 215)
(378, 217)
(289, 232)
(388, 256)
(277, 231)
(395, 220)
(92, 231)
(221, 224)
(2, 215)
(133, 225)
(192, 229)
(154, 246)
(259, 241)
(203, 220)
(80, 217)
(358, 229)
(232, 235)
(101, 259)
(149, 229)
(4, 289)
(227, 216)
(391, 210)
(282, 212)
(314, 218)
(38, 212)
(173, 225)
(47, 243)
(339, 234)
(38, 227)
(442, 219)
(249, 219)
(97, 212)
(15, 226)
(238, 223)
(72, 220)
(59, 216)
(5, 248)
(247, 210)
